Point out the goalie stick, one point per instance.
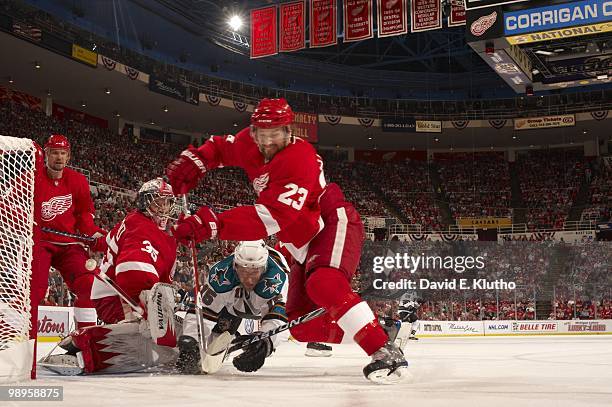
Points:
(72, 235)
(90, 265)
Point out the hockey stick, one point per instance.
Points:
(258, 337)
(72, 235)
(196, 290)
(90, 265)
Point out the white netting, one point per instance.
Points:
(17, 165)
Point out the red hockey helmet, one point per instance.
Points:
(58, 141)
(271, 113)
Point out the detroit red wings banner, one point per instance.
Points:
(263, 32)
(392, 17)
(457, 13)
(426, 15)
(357, 20)
(292, 26)
(323, 23)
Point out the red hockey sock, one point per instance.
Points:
(329, 288)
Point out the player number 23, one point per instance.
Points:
(288, 198)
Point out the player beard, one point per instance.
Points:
(56, 166)
(268, 152)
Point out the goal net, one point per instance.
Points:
(17, 165)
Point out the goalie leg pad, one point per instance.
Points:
(119, 348)
(160, 304)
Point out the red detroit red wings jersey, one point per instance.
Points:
(139, 255)
(65, 204)
(288, 189)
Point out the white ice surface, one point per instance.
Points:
(456, 372)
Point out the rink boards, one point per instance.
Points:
(56, 321)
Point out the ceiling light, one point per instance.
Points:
(83, 104)
(369, 138)
(36, 64)
(165, 109)
(235, 22)
(107, 91)
(436, 139)
(11, 80)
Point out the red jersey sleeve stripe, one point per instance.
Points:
(135, 265)
(266, 218)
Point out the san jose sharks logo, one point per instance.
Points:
(272, 284)
(220, 277)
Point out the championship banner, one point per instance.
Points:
(323, 23)
(392, 18)
(557, 16)
(426, 15)
(428, 126)
(357, 20)
(292, 26)
(306, 126)
(457, 13)
(84, 55)
(263, 32)
(529, 123)
(484, 223)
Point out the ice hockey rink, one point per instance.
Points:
(476, 371)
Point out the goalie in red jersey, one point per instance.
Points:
(313, 222)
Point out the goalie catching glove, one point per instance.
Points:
(186, 171)
(203, 225)
(254, 355)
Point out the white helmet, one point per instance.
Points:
(252, 254)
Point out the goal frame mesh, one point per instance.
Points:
(17, 171)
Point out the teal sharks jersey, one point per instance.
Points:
(265, 302)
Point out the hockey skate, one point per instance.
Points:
(318, 350)
(388, 365)
(64, 364)
(188, 361)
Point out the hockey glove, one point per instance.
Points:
(254, 355)
(200, 226)
(185, 172)
(99, 244)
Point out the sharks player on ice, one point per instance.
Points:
(250, 283)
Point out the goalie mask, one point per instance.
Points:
(157, 201)
(250, 262)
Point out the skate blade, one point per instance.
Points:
(62, 370)
(313, 353)
(385, 376)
